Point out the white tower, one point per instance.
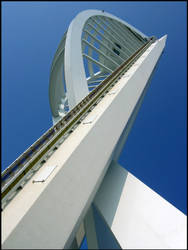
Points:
(69, 184)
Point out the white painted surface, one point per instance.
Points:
(137, 216)
(89, 119)
(46, 172)
(112, 92)
(49, 215)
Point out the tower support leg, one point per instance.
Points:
(137, 216)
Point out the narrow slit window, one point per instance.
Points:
(116, 51)
(118, 45)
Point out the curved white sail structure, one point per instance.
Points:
(95, 44)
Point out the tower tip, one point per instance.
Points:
(163, 38)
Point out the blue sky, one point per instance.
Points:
(155, 151)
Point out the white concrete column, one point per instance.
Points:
(90, 230)
(98, 233)
(138, 217)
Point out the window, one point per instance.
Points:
(118, 45)
(116, 51)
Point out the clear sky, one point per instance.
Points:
(155, 151)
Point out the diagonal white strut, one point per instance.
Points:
(136, 216)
